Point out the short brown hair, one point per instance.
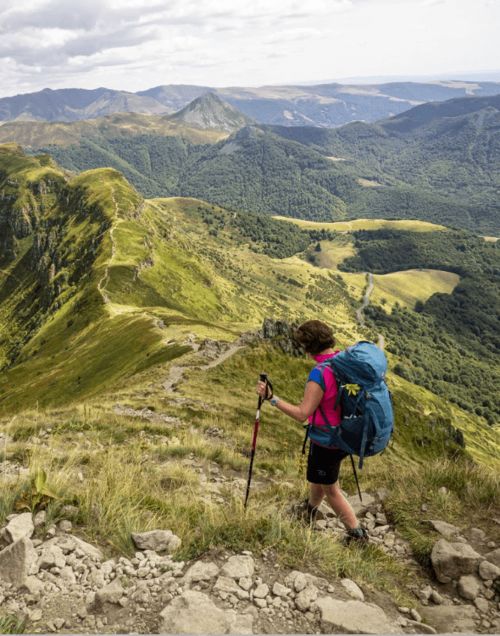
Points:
(315, 336)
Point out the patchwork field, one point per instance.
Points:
(366, 224)
(412, 285)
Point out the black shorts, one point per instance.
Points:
(323, 464)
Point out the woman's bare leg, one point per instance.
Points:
(339, 504)
(316, 495)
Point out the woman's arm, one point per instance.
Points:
(310, 402)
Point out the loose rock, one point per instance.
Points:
(354, 617)
(306, 597)
(469, 587)
(239, 566)
(17, 561)
(451, 618)
(494, 557)
(111, 593)
(352, 589)
(202, 571)
(488, 571)
(452, 560)
(157, 540)
(447, 530)
(195, 613)
(482, 604)
(281, 590)
(261, 591)
(19, 527)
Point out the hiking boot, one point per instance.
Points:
(356, 535)
(304, 512)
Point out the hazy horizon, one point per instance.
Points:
(134, 45)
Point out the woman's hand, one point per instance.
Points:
(263, 390)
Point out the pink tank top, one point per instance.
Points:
(329, 384)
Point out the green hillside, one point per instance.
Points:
(435, 163)
(130, 350)
(102, 254)
(101, 257)
(440, 152)
(449, 343)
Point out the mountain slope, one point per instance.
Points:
(325, 105)
(210, 111)
(436, 162)
(71, 104)
(449, 149)
(101, 305)
(54, 279)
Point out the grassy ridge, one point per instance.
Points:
(120, 270)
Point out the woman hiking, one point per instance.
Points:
(318, 407)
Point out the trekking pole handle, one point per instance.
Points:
(269, 387)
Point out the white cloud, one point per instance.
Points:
(134, 44)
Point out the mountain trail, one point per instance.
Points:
(212, 352)
(360, 312)
(101, 285)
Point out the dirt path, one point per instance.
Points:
(212, 359)
(360, 312)
(360, 316)
(101, 285)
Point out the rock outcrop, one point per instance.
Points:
(195, 613)
(453, 560)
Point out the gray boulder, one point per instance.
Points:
(20, 526)
(488, 571)
(195, 613)
(354, 617)
(156, 540)
(111, 593)
(239, 566)
(447, 530)
(453, 560)
(306, 597)
(493, 557)
(17, 561)
(202, 571)
(352, 589)
(451, 618)
(227, 585)
(51, 556)
(261, 591)
(360, 507)
(469, 587)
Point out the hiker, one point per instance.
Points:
(318, 407)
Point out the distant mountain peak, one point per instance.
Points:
(210, 111)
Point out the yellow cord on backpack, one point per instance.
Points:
(352, 389)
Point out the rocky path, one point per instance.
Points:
(211, 353)
(57, 582)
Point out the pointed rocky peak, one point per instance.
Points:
(209, 111)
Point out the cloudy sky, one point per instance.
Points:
(136, 44)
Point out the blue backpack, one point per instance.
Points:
(366, 406)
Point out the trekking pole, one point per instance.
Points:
(356, 478)
(263, 378)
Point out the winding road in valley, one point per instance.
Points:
(360, 312)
